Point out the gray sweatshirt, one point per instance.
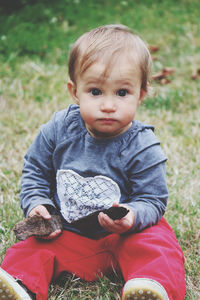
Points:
(69, 170)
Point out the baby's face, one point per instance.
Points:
(108, 103)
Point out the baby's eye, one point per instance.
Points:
(95, 92)
(122, 93)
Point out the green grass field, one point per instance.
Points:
(34, 44)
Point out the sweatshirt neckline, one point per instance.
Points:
(94, 140)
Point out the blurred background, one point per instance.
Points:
(35, 39)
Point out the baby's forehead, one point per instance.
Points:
(119, 70)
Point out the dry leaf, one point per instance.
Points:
(162, 75)
(165, 81)
(158, 76)
(168, 71)
(154, 48)
(196, 75)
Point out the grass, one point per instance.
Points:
(34, 43)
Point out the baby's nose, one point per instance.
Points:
(108, 104)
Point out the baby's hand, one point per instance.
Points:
(41, 210)
(117, 226)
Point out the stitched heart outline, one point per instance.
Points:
(79, 196)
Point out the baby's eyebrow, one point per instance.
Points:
(125, 82)
(94, 80)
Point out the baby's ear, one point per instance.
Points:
(73, 91)
(142, 96)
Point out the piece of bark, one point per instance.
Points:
(90, 223)
(37, 226)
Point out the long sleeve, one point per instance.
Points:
(148, 193)
(149, 196)
(38, 177)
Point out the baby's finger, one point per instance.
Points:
(43, 212)
(40, 210)
(52, 235)
(107, 223)
(104, 219)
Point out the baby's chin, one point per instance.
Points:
(104, 134)
(108, 133)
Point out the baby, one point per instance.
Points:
(90, 157)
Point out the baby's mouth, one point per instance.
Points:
(107, 120)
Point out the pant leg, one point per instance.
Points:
(156, 254)
(36, 262)
(32, 264)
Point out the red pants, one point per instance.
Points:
(153, 253)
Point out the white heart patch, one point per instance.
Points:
(81, 196)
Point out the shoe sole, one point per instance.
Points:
(143, 289)
(10, 289)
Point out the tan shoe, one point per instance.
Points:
(10, 289)
(143, 289)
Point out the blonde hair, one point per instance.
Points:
(107, 43)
